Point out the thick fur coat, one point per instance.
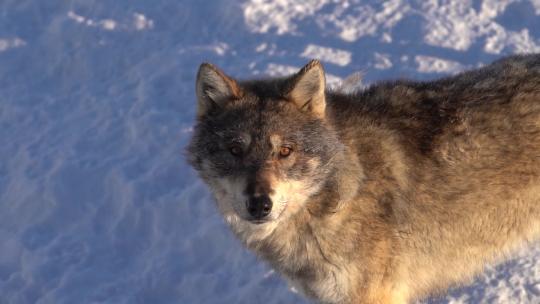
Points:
(385, 195)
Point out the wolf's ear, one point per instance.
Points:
(307, 89)
(214, 88)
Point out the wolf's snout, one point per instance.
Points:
(259, 207)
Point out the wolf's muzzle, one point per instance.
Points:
(259, 206)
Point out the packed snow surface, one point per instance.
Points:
(97, 203)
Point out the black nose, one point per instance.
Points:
(259, 207)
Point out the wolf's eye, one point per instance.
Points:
(235, 150)
(285, 151)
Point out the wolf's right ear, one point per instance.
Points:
(214, 88)
(307, 89)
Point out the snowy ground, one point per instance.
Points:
(97, 204)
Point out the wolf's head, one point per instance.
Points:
(264, 147)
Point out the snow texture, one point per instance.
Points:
(97, 103)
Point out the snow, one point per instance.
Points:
(263, 15)
(139, 22)
(97, 103)
(458, 25)
(9, 43)
(429, 64)
(327, 54)
(382, 61)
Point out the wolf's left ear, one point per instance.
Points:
(307, 89)
(214, 88)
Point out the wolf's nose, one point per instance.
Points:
(260, 206)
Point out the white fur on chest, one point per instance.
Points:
(329, 289)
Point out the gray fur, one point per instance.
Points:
(392, 193)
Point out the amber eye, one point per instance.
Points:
(285, 151)
(235, 150)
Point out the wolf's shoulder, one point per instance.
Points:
(423, 110)
(497, 80)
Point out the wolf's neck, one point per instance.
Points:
(292, 246)
(304, 252)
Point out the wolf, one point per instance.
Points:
(388, 194)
